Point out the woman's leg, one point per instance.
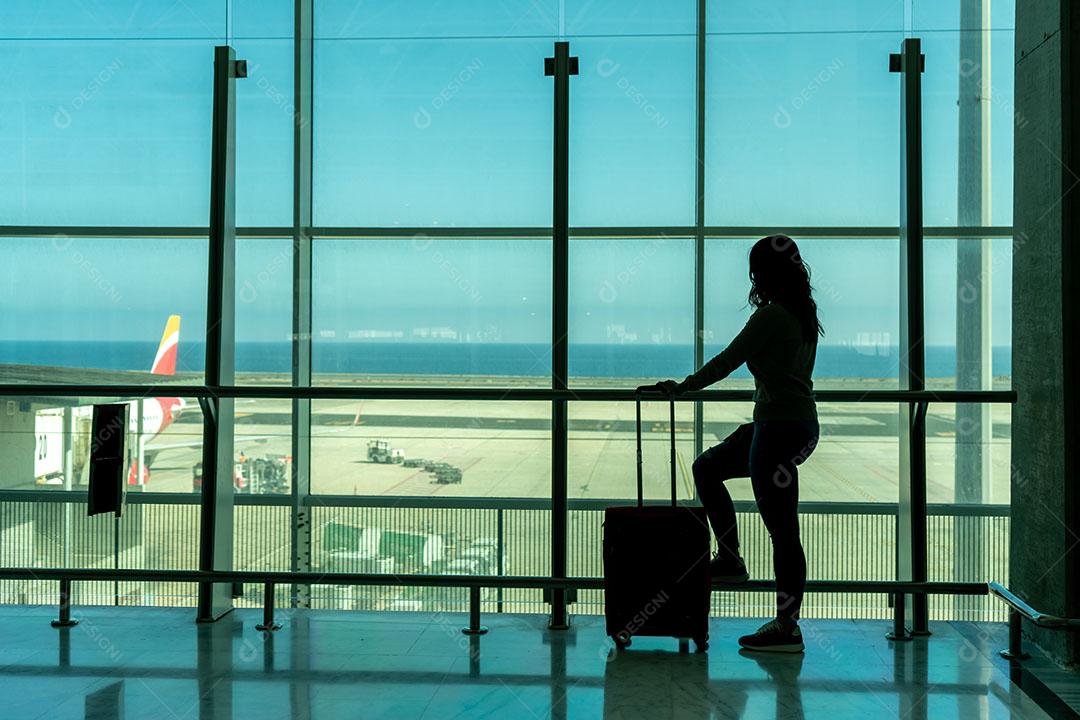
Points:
(777, 450)
(729, 459)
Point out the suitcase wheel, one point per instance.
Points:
(702, 643)
(621, 639)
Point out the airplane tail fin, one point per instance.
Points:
(165, 360)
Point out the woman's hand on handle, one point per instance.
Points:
(668, 387)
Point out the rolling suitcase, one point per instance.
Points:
(656, 565)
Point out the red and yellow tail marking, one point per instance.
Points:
(165, 360)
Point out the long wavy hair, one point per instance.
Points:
(779, 275)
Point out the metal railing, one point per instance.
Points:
(157, 535)
(1020, 609)
(264, 540)
(374, 392)
(65, 576)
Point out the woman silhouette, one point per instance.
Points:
(778, 345)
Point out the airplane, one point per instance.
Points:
(158, 413)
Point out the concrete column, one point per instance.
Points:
(973, 279)
(1044, 560)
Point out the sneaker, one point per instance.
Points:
(727, 570)
(775, 636)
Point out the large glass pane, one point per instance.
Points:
(967, 453)
(106, 112)
(262, 33)
(632, 118)
(443, 471)
(110, 132)
(426, 132)
(98, 309)
(983, 144)
(432, 311)
(264, 311)
(631, 310)
(802, 128)
(265, 120)
(973, 309)
(419, 447)
(602, 452)
(856, 287)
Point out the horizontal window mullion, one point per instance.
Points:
(712, 232)
(49, 392)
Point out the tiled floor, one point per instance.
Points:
(127, 663)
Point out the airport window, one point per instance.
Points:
(432, 268)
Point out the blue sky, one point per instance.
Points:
(438, 114)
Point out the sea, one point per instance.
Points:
(490, 359)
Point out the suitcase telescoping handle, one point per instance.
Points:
(637, 403)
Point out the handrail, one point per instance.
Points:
(1019, 609)
(473, 582)
(806, 507)
(368, 392)
(460, 581)
(1023, 608)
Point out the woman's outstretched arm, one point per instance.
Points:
(757, 331)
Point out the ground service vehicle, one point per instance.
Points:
(379, 451)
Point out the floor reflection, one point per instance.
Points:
(126, 663)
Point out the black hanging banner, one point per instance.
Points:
(107, 459)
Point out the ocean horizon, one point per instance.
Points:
(477, 358)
